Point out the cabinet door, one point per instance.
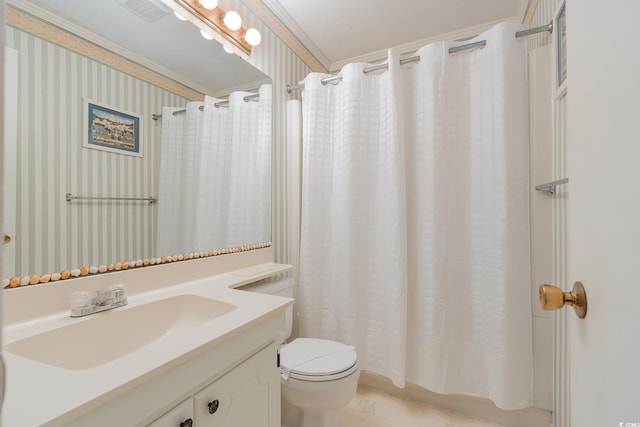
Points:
(180, 416)
(248, 395)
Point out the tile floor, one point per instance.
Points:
(373, 408)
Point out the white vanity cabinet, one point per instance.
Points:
(240, 372)
(204, 354)
(248, 395)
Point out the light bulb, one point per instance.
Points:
(206, 35)
(232, 20)
(253, 37)
(208, 4)
(226, 49)
(180, 17)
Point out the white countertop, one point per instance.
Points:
(41, 394)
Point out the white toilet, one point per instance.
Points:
(318, 377)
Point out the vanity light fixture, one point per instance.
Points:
(206, 35)
(232, 20)
(227, 24)
(208, 4)
(179, 16)
(253, 37)
(226, 49)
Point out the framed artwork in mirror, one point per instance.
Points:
(109, 129)
(561, 45)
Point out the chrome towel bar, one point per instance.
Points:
(550, 187)
(151, 200)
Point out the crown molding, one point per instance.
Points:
(297, 31)
(41, 22)
(527, 11)
(275, 24)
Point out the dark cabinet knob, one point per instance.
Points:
(187, 423)
(213, 406)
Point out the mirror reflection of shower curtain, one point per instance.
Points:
(215, 175)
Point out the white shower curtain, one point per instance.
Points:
(415, 232)
(178, 159)
(215, 168)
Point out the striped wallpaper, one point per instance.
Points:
(53, 234)
(545, 13)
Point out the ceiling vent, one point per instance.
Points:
(149, 10)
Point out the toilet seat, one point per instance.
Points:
(312, 359)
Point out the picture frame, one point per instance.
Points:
(112, 129)
(560, 29)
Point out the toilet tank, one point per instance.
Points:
(282, 288)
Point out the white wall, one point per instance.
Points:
(541, 153)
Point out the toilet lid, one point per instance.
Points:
(311, 357)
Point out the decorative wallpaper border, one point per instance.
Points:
(16, 282)
(40, 28)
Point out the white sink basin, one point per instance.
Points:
(102, 337)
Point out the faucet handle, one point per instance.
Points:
(82, 303)
(80, 299)
(118, 287)
(100, 297)
(119, 291)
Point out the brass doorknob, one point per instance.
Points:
(553, 298)
(7, 238)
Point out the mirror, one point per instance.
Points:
(59, 75)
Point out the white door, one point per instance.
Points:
(604, 209)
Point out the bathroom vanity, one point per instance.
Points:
(188, 349)
(244, 396)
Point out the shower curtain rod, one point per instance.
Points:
(453, 50)
(247, 98)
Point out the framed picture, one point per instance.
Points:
(109, 129)
(560, 29)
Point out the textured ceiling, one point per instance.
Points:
(336, 31)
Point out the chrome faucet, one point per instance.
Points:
(84, 303)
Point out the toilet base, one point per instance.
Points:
(320, 419)
(296, 417)
(313, 400)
